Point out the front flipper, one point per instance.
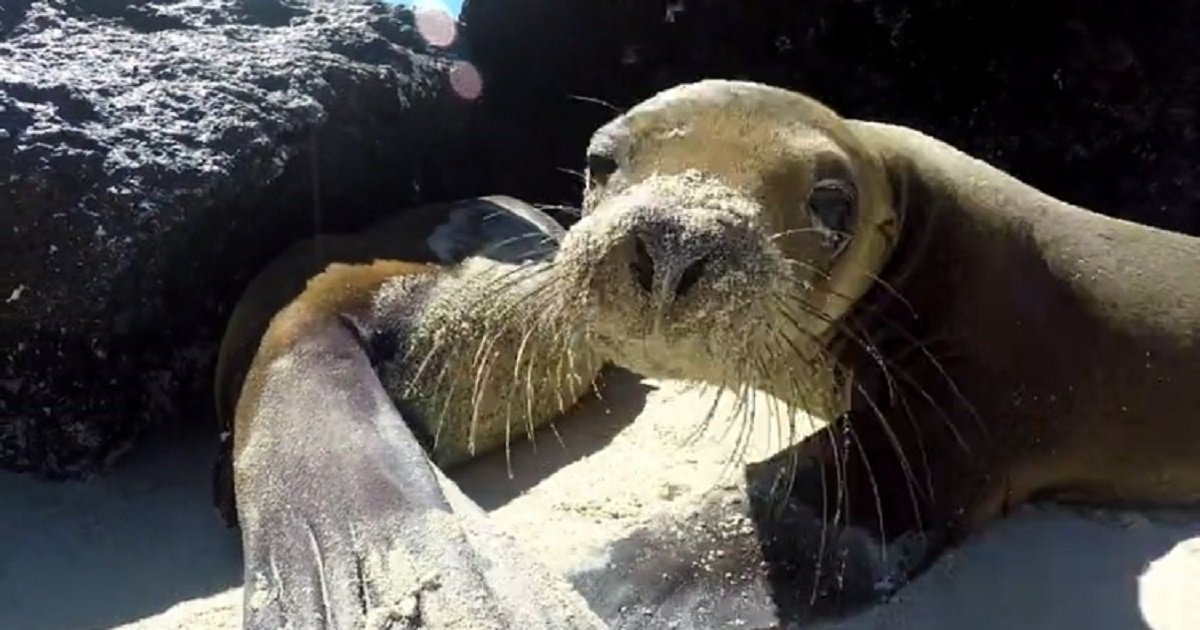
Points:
(346, 523)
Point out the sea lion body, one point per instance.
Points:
(974, 343)
(1075, 336)
(346, 520)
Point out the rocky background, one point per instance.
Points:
(154, 153)
(1096, 102)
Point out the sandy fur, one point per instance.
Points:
(699, 177)
(489, 354)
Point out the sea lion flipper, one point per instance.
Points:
(344, 519)
(496, 227)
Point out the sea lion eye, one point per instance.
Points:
(600, 166)
(832, 203)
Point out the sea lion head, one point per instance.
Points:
(725, 225)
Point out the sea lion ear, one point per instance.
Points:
(905, 187)
(899, 176)
(900, 172)
(901, 180)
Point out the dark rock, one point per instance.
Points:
(157, 152)
(154, 153)
(1095, 102)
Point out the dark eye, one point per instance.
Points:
(600, 166)
(832, 204)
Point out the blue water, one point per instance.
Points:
(453, 6)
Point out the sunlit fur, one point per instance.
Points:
(725, 168)
(489, 354)
(722, 172)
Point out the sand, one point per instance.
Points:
(142, 548)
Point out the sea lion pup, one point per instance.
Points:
(977, 343)
(345, 520)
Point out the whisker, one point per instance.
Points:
(805, 230)
(874, 488)
(597, 101)
(571, 210)
(483, 368)
(905, 465)
(893, 325)
(893, 292)
(539, 239)
(708, 416)
(580, 175)
(886, 366)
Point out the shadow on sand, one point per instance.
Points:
(1046, 567)
(118, 547)
(586, 429)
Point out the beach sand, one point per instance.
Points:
(142, 548)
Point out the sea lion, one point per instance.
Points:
(345, 519)
(975, 342)
(980, 343)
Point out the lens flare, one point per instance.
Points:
(465, 80)
(435, 23)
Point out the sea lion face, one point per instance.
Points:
(726, 225)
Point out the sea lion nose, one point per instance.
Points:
(647, 272)
(642, 265)
(690, 276)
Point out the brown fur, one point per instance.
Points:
(436, 234)
(1075, 337)
(339, 290)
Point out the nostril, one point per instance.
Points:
(642, 265)
(690, 277)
